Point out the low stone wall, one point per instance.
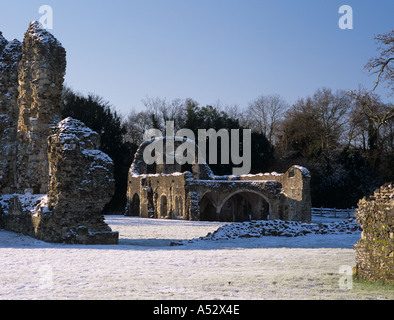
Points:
(15, 212)
(375, 250)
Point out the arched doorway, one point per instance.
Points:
(151, 204)
(134, 208)
(244, 206)
(178, 207)
(236, 209)
(163, 207)
(207, 209)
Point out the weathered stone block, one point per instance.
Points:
(54, 192)
(81, 183)
(375, 250)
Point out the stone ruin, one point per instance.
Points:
(173, 191)
(375, 249)
(54, 182)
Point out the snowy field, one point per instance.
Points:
(145, 266)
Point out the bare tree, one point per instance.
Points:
(371, 115)
(370, 120)
(382, 65)
(264, 114)
(157, 112)
(137, 123)
(315, 124)
(161, 111)
(331, 109)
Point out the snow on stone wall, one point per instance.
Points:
(53, 189)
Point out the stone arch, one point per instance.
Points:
(245, 191)
(208, 211)
(236, 209)
(244, 205)
(134, 208)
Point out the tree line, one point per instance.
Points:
(344, 137)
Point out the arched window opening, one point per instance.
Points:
(163, 207)
(151, 205)
(134, 208)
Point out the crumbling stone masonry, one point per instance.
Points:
(81, 183)
(375, 250)
(54, 182)
(172, 192)
(41, 75)
(10, 55)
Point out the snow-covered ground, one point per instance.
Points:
(145, 266)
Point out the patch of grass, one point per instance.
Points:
(372, 284)
(373, 287)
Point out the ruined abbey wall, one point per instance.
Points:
(41, 75)
(31, 76)
(10, 55)
(375, 250)
(54, 182)
(200, 195)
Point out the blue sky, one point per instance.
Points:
(230, 51)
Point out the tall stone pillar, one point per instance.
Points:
(41, 75)
(10, 55)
